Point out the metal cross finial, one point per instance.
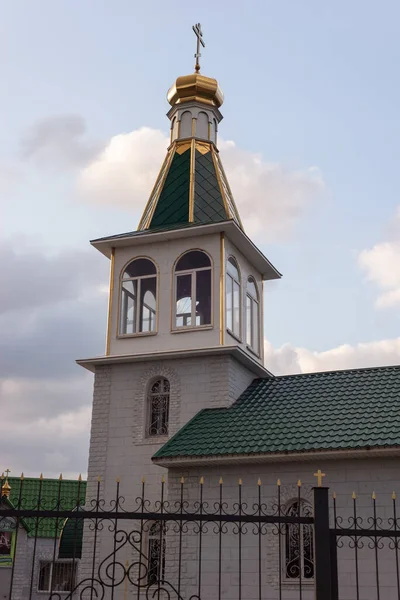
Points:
(7, 472)
(199, 34)
(319, 475)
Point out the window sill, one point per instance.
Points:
(236, 337)
(187, 329)
(153, 441)
(250, 349)
(293, 584)
(123, 336)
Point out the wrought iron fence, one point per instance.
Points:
(197, 542)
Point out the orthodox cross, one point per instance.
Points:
(7, 472)
(199, 34)
(319, 475)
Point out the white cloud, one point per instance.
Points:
(125, 171)
(382, 266)
(289, 359)
(270, 198)
(59, 141)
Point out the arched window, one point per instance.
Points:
(299, 544)
(193, 290)
(158, 407)
(202, 125)
(156, 554)
(232, 297)
(138, 297)
(186, 124)
(252, 316)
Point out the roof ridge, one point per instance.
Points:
(332, 371)
(55, 479)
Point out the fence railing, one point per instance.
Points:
(198, 542)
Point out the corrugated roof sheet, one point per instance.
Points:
(299, 413)
(71, 491)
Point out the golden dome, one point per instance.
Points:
(195, 87)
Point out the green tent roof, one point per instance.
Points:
(298, 413)
(72, 493)
(191, 188)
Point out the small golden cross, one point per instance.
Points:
(199, 34)
(319, 475)
(7, 471)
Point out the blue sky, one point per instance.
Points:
(307, 84)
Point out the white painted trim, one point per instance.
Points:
(240, 355)
(242, 242)
(279, 457)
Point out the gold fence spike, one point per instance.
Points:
(60, 478)
(240, 481)
(354, 496)
(163, 479)
(201, 480)
(143, 479)
(41, 476)
(373, 496)
(98, 478)
(22, 477)
(221, 481)
(278, 483)
(334, 495)
(393, 495)
(259, 482)
(182, 480)
(299, 483)
(80, 477)
(118, 479)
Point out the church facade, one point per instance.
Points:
(182, 394)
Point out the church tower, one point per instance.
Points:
(185, 317)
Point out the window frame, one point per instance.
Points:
(6, 560)
(295, 580)
(237, 336)
(161, 539)
(122, 279)
(254, 302)
(149, 397)
(49, 561)
(192, 272)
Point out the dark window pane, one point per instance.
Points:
(193, 260)
(148, 304)
(232, 269)
(251, 288)
(248, 321)
(236, 309)
(5, 543)
(203, 297)
(44, 577)
(159, 407)
(140, 267)
(229, 303)
(156, 554)
(183, 300)
(128, 306)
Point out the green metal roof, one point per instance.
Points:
(173, 204)
(72, 492)
(298, 413)
(190, 188)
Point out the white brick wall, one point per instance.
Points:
(119, 447)
(362, 476)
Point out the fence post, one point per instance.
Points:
(322, 550)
